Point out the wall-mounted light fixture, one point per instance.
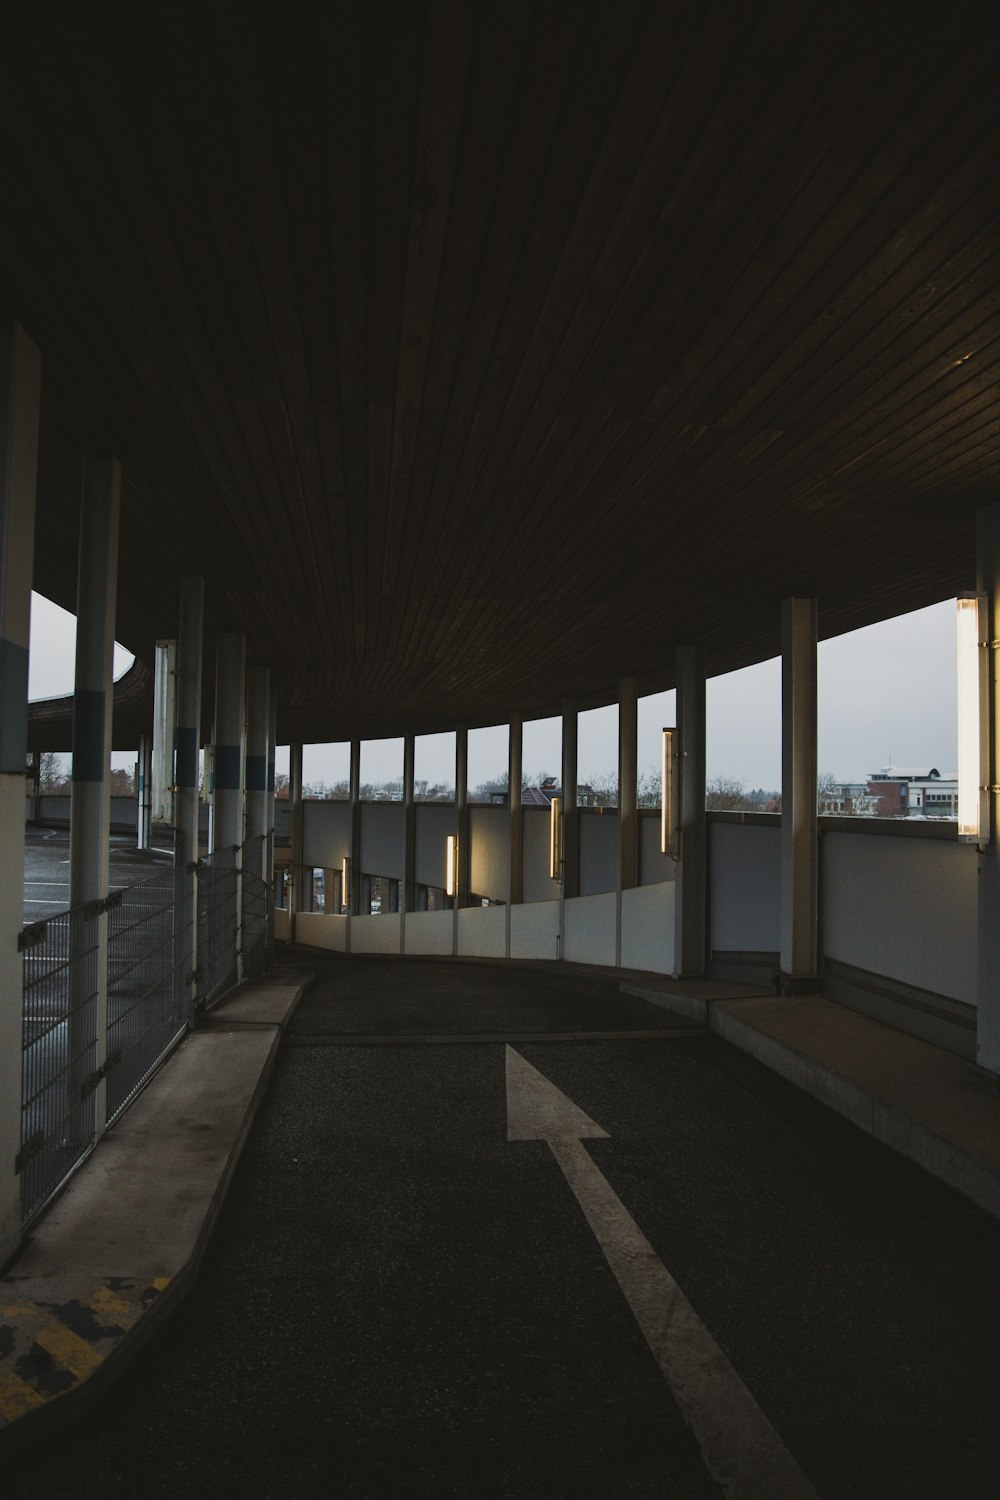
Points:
(668, 811)
(973, 717)
(345, 883)
(555, 839)
(451, 867)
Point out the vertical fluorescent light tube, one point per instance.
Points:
(667, 793)
(451, 872)
(971, 664)
(555, 851)
(345, 883)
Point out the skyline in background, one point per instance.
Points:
(887, 692)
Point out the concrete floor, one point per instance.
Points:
(401, 1302)
(46, 869)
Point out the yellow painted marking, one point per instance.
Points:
(160, 1283)
(72, 1352)
(17, 1397)
(114, 1307)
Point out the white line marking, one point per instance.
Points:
(741, 1449)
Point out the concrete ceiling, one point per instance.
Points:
(479, 354)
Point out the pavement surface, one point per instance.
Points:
(46, 869)
(400, 1300)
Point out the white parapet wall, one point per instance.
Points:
(744, 887)
(430, 932)
(648, 928)
(901, 907)
(482, 932)
(534, 930)
(321, 931)
(381, 934)
(282, 926)
(591, 928)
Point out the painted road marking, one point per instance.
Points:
(741, 1449)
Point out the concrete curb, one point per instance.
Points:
(24, 1429)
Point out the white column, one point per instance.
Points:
(20, 387)
(628, 784)
(143, 790)
(272, 740)
(464, 869)
(570, 816)
(353, 896)
(296, 869)
(690, 936)
(988, 884)
(230, 741)
(799, 827)
(90, 802)
(258, 728)
(515, 761)
(407, 892)
(187, 801)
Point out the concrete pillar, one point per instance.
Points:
(799, 827)
(628, 784)
(272, 736)
(462, 819)
(515, 762)
(571, 817)
(230, 741)
(353, 897)
(35, 784)
(20, 389)
(296, 870)
(407, 889)
(690, 887)
(143, 779)
(187, 800)
(988, 884)
(258, 729)
(90, 801)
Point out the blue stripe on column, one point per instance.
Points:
(227, 768)
(186, 746)
(88, 735)
(13, 707)
(256, 773)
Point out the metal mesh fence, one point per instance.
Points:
(146, 1009)
(218, 919)
(60, 1072)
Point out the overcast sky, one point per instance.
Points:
(884, 692)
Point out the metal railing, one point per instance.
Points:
(147, 1011)
(134, 948)
(60, 1068)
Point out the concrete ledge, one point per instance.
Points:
(123, 1242)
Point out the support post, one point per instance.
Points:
(570, 814)
(407, 892)
(799, 827)
(272, 738)
(187, 800)
(258, 728)
(462, 816)
(628, 784)
(20, 391)
(90, 800)
(988, 884)
(690, 936)
(296, 868)
(515, 762)
(143, 777)
(354, 896)
(230, 758)
(35, 783)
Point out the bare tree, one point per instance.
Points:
(726, 794)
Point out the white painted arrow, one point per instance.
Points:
(741, 1449)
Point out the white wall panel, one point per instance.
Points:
(482, 932)
(375, 934)
(534, 930)
(326, 833)
(744, 865)
(321, 931)
(598, 852)
(648, 928)
(382, 839)
(591, 924)
(903, 907)
(434, 822)
(489, 834)
(537, 885)
(430, 932)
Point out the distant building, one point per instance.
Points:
(914, 792)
